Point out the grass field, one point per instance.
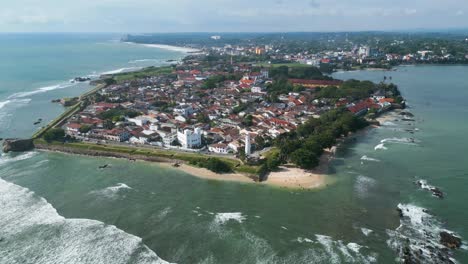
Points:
(234, 164)
(146, 72)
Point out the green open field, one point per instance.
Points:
(146, 72)
(235, 164)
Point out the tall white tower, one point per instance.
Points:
(248, 145)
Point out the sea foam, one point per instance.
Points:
(366, 158)
(222, 218)
(39, 90)
(418, 236)
(33, 232)
(380, 147)
(112, 191)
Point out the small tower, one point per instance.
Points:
(248, 145)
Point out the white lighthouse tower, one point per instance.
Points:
(248, 145)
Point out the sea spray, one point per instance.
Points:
(31, 225)
(417, 239)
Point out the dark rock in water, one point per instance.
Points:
(104, 166)
(17, 145)
(81, 79)
(450, 240)
(437, 193)
(408, 119)
(55, 101)
(400, 212)
(37, 122)
(1, 139)
(407, 114)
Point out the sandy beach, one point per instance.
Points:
(296, 178)
(168, 47)
(209, 175)
(285, 177)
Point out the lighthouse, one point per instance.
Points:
(248, 145)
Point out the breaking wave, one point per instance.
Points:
(222, 218)
(409, 141)
(39, 90)
(112, 191)
(33, 232)
(380, 147)
(417, 239)
(366, 231)
(121, 70)
(366, 158)
(8, 158)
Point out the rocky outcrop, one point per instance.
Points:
(17, 145)
(450, 240)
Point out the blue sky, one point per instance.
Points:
(229, 15)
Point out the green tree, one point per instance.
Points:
(85, 129)
(54, 134)
(305, 159)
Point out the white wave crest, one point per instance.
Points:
(418, 236)
(31, 227)
(4, 103)
(380, 147)
(166, 47)
(39, 90)
(222, 218)
(304, 240)
(121, 70)
(369, 159)
(366, 231)
(112, 191)
(338, 252)
(14, 102)
(410, 141)
(389, 123)
(8, 158)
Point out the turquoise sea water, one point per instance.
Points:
(59, 208)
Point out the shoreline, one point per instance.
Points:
(296, 178)
(302, 179)
(166, 47)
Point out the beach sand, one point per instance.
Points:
(209, 175)
(285, 177)
(296, 178)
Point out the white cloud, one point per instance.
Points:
(227, 15)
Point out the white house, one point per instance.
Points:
(219, 148)
(184, 109)
(190, 139)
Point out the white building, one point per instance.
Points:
(190, 139)
(219, 148)
(248, 145)
(184, 109)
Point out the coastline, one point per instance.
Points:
(288, 177)
(167, 47)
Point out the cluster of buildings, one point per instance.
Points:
(178, 111)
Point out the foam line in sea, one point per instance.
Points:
(30, 224)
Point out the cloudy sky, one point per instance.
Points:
(229, 15)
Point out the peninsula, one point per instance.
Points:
(223, 117)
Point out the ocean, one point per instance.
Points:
(58, 208)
